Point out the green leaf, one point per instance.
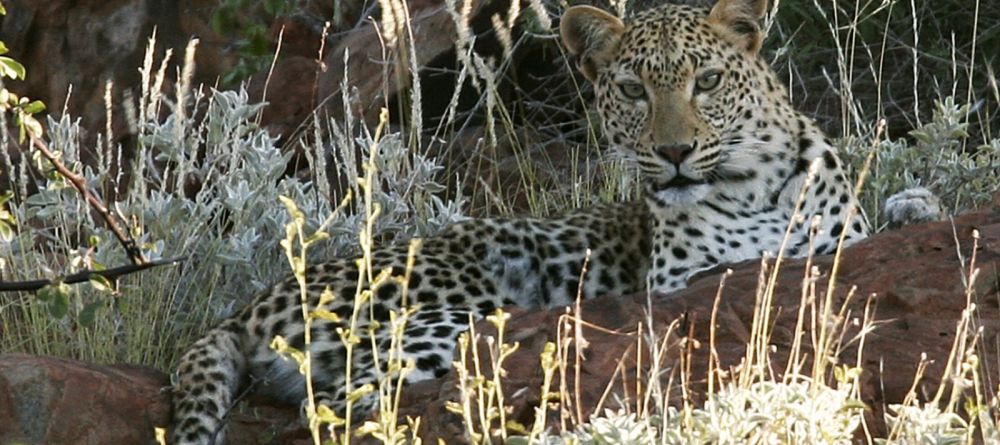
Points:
(271, 7)
(46, 293)
(257, 40)
(56, 297)
(88, 316)
(6, 231)
(34, 107)
(223, 21)
(3, 48)
(921, 136)
(318, 236)
(28, 125)
(324, 314)
(360, 392)
(11, 68)
(100, 283)
(327, 416)
(59, 307)
(97, 265)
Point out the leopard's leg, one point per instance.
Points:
(428, 344)
(209, 374)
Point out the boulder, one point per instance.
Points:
(288, 91)
(50, 400)
(91, 42)
(56, 400)
(375, 71)
(910, 280)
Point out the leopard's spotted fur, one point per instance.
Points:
(470, 268)
(722, 155)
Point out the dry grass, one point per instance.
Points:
(229, 227)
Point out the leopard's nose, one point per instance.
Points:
(675, 153)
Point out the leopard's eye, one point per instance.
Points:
(633, 90)
(707, 81)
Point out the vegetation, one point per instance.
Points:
(207, 183)
(246, 23)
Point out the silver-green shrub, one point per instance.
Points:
(205, 185)
(962, 177)
(924, 425)
(764, 413)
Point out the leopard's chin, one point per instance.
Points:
(680, 190)
(680, 182)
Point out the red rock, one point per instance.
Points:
(373, 69)
(290, 89)
(85, 43)
(215, 56)
(49, 400)
(915, 275)
(300, 36)
(62, 401)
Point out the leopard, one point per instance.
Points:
(728, 169)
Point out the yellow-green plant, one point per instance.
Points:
(24, 111)
(295, 244)
(482, 406)
(23, 108)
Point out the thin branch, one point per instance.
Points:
(126, 240)
(86, 275)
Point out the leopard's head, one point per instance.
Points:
(675, 87)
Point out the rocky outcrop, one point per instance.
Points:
(89, 43)
(86, 44)
(911, 280)
(53, 400)
(49, 400)
(374, 71)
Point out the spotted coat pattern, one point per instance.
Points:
(471, 268)
(722, 157)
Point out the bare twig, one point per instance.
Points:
(126, 240)
(86, 275)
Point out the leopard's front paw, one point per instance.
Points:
(912, 206)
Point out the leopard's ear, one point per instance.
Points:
(739, 22)
(592, 35)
